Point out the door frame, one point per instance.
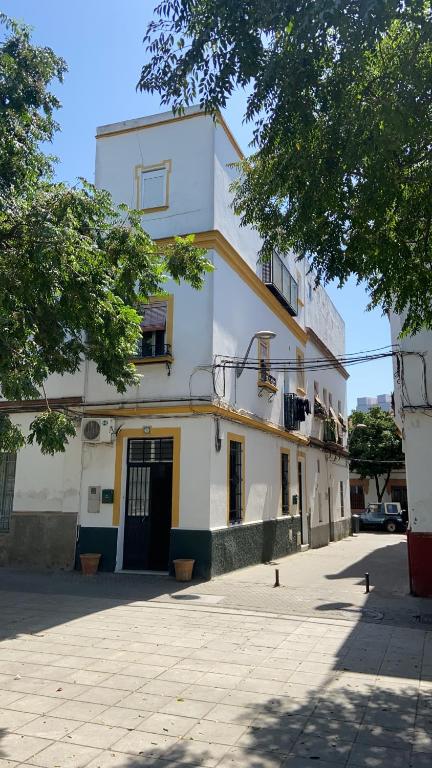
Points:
(301, 458)
(120, 476)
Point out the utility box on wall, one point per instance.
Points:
(107, 495)
(94, 498)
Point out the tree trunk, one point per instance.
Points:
(380, 493)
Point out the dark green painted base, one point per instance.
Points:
(99, 540)
(227, 549)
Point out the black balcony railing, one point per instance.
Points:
(281, 283)
(265, 377)
(144, 349)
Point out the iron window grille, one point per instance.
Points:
(281, 283)
(341, 486)
(150, 450)
(235, 482)
(7, 486)
(285, 483)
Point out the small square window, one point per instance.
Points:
(153, 186)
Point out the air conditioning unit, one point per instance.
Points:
(97, 430)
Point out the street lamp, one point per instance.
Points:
(258, 335)
(357, 426)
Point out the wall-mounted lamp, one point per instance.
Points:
(258, 335)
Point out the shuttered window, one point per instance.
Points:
(7, 485)
(154, 189)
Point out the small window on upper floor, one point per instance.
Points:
(310, 291)
(325, 397)
(153, 186)
(330, 400)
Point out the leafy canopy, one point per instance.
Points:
(374, 436)
(340, 97)
(73, 266)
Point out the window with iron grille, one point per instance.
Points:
(341, 486)
(285, 483)
(236, 477)
(150, 450)
(153, 330)
(7, 486)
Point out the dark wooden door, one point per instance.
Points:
(148, 504)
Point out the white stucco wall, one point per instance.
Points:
(413, 405)
(46, 483)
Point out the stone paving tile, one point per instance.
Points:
(7, 763)
(322, 747)
(13, 719)
(121, 717)
(378, 757)
(148, 744)
(46, 727)
(152, 702)
(96, 735)
(203, 693)
(237, 757)
(20, 748)
(99, 695)
(202, 753)
(76, 710)
(224, 713)
(165, 724)
(187, 707)
(61, 755)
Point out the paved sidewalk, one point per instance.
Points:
(95, 673)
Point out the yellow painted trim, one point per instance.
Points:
(232, 437)
(153, 360)
(169, 121)
(210, 409)
(175, 433)
(139, 170)
(214, 240)
(286, 452)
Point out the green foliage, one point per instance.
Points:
(379, 442)
(340, 96)
(51, 431)
(73, 265)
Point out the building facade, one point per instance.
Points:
(202, 458)
(363, 490)
(413, 410)
(364, 404)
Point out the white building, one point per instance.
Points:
(413, 411)
(195, 461)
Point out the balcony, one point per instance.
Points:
(266, 380)
(152, 352)
(281, 283)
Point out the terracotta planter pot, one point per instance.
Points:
(183, 569)
(90, 563)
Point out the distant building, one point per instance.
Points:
(364, 404)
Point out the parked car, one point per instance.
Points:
(387, 515)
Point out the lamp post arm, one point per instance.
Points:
(240, 366)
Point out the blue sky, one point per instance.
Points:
(101, 41)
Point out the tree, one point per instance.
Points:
(377, 442)
(73, 266)
(340, 97)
